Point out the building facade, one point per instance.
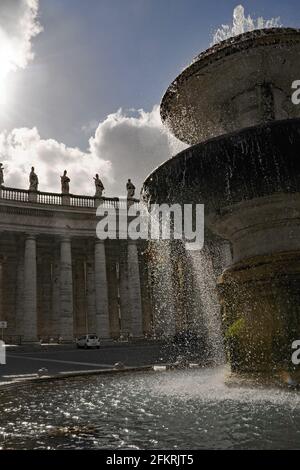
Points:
(58, 280)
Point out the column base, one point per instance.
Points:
(260, 300)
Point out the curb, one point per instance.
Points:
(63, 376)
(72, 346)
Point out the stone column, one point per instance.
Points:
(66, 290)
(134, 287)
(90, 292)
(20, 296)
(30, 291)
(102, 314)
(1, 291)
(125, 309)
(55, 328)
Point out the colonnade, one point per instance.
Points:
(45, 299)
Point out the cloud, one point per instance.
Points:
(18, 26)
(135, 143)
(22, 148)
(125, 145)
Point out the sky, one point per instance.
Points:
(81, 82)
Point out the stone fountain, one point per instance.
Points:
(233, 105)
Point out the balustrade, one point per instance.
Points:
(56, 199)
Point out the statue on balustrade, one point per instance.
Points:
(1, 175)
(33, 181)
(130, 189)
(99, 186)
(65, 180)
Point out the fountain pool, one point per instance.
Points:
(173, 410)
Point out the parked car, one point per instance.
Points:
(88, 341)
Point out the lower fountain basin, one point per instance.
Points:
(249, 183)
(170, 410)
(226, 170)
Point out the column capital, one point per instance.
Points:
(132, 242)
(99, 242)
(65, 238)
(30, 236)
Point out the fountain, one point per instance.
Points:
(233, 105)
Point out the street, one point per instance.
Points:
(24, 365)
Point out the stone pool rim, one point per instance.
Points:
(5, 386)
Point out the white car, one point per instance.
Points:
(88, 341)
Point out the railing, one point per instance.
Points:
(55, 199)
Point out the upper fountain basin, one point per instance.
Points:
(241, 82)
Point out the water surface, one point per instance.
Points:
(170, 410)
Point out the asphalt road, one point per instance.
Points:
(21, 365)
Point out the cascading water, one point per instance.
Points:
(162, 289)
(204, 273)
(184, 296)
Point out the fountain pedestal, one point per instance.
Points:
(260, 301)
(260, 292)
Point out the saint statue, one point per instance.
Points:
(33, 181)
(1, 175)
(99, 186)
(65, 180)
(130, 189)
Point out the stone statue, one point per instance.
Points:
(65, 180)
(33, 181)
(130, 189)
(1, 175)
(99, 186)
